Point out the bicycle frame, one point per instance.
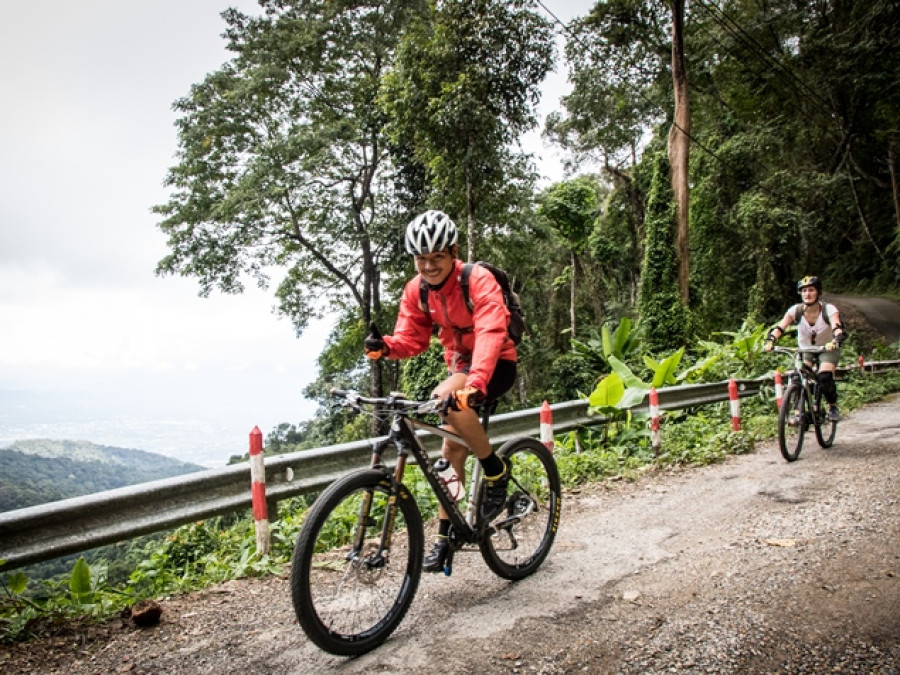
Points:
(404, 438)
(806, 374)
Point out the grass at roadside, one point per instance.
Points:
(208, 552)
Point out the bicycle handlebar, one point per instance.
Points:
(798, 350)
(395, 402)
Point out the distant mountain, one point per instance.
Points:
(39, 471)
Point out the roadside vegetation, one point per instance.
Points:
(207, 552)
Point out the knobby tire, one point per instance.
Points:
(523, 534)
(825, 428)
(790, 438)
(346, 603)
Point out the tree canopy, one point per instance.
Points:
(304, 156)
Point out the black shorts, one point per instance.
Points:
(502, 379)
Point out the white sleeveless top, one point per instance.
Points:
(817, 335)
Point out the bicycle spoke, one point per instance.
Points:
(792, 422)
(347, 600)
(521, 537)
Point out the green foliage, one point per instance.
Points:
(663, 316)
(623, 389)
(283, 161)
(571, 209)
(420, 375)
(607, 394)
(463, 88)
(702, 438)
(84, 594)
(571, 375)
(596, 349)
(664, 371)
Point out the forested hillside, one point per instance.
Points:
(717, 154)
(38, 471)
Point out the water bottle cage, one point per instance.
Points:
(449, 480)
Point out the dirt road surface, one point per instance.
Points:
(869, 319)
(753, 565)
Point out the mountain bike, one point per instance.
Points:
(358, 557)
(802, 406)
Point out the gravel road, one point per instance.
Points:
(752, 566)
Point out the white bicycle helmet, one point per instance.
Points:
(432, 231)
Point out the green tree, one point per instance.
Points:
(571, 208)
(464, 89)
(283, 160)
(617, 58)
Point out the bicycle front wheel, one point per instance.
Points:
(792, 422)
(825, 428)
(519, 539)
(350, 593)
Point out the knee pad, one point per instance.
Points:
(829, 389)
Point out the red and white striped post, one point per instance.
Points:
(547, 426)
(779, 390)
(258, 491)
(655, 440)
(735, 403)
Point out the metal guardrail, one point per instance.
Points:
(51, 530)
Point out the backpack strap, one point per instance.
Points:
(423, 295)
(800, 307)
(464, 284)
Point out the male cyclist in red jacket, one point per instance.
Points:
(480, 356)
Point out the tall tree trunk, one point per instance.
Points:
(471, 227)
(862, 215)
(679, 145)
(572, 300)
(895, 189)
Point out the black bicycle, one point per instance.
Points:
(358, 558)
(802, 406)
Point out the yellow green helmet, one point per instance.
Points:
(815, 282)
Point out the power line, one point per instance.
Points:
(642, 95)
(774, 65)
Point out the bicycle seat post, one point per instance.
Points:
(487, 408)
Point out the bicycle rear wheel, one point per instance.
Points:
(520, 538)
(792, 422)
(825, 428)
(348, 595)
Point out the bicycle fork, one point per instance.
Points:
(364, 518)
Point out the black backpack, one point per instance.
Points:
(517, 326)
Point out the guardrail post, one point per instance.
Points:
(547, 426)
(735, 405)
(258, 491)
(655, 439)
(779, 390)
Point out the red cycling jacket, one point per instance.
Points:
(473, 341)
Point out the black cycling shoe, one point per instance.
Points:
(494, 498)
(434, 561)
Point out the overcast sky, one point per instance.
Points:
(86, 137)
